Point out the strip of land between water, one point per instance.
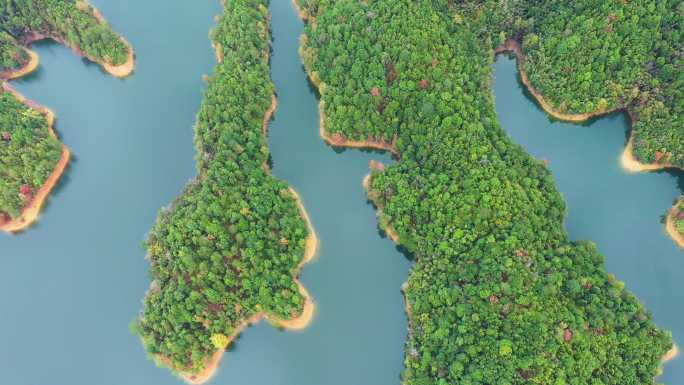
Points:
(31, 211)
(627, 160)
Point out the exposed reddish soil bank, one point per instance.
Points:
(670, 224)
(513, 46)
(627, 160)
(297, 323)
(31, 212)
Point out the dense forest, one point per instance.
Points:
(28, 152)
(229, 247)
(498, 293)
(594, 56)
(74, 23)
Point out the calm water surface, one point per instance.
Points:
(71, 284)
(619, 211)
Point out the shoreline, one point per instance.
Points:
(300, 322)
(670, 227)
(31, 212)
(336, 140)
(514, 47)
(671, 354)
(628, 161)
(119, 71)
(26, 69)
(389, 231)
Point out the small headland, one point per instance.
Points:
(32, 210)
(627, 160)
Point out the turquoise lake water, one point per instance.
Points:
(71, 284)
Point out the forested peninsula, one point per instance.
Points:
(498, 293)
(583, 59)
(227, 252)
(674, 223)
(31, 156)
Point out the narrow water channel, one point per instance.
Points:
(619, 211)
(71, 284)
(358, 333)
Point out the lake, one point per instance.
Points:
(71, 284)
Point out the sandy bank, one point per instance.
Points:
(30, 213)
(627, 159)
(670, 225)
(338, 140)
(29, 67)
(297, 323)
(303, 14)
(513, 46)
(119, 71)
(630, 164)
(671, 354)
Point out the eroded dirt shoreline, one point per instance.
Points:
(31, 211)
(300, 322)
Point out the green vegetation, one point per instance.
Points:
(228, 247)
(591, 55)
(499, 294)
(71, 22)
(28, 154)
(12, 56)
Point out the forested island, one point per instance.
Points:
(32, 157)
(227, 252)
(498, 293)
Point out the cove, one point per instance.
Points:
(621, 212)
(72, 283)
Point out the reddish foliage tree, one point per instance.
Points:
(567, 335)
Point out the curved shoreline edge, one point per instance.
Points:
(333, 139)
(297, 323)
(670, 224)
(31, 212)
(628, 161)
(300, 322)
(510, 45)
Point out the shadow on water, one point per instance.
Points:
(359, 330)
(70, 285)
(617, 210)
